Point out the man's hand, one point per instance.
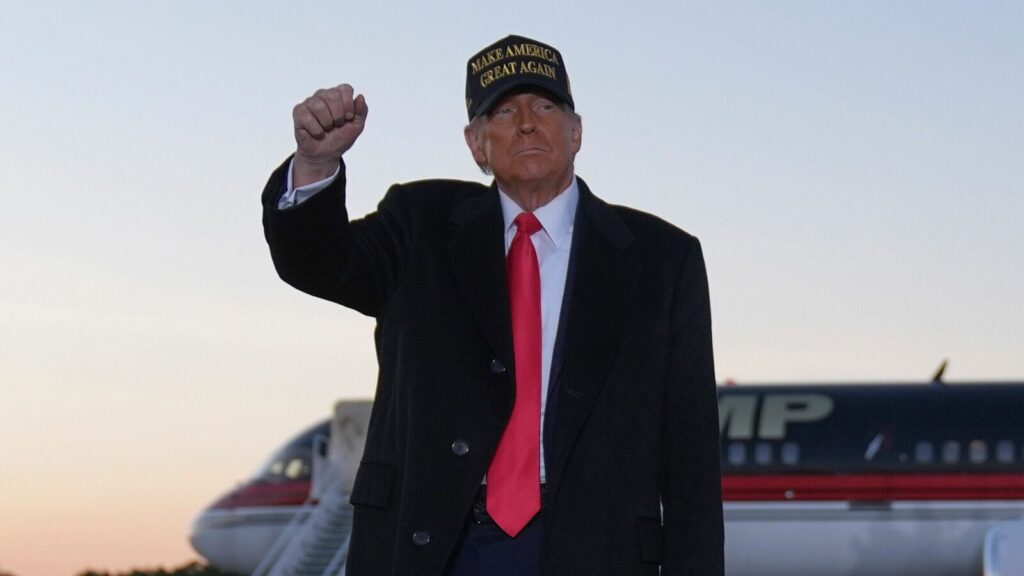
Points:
(326, 125)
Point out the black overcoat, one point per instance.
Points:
(632, 437)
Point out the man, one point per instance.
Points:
(546, 398)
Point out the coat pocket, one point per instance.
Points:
(373, 485)
(649, 534)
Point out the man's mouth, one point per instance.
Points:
(528, 151)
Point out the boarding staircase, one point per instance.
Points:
(316, 543)
(320, 545)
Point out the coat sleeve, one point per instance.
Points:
(317, 249)
(691, 480)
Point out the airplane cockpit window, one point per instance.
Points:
(290, 463)
(924, 452)
(293, 461)
(951, 452)
(763, 453)
(790, 453)
(977, 451)
(296, 469)
(737, 454)
(1004, 452)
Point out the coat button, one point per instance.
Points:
(421, 537)
(460, 448)
(497, 367)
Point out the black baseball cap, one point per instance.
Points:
(514, 62)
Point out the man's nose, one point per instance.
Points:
(526, 120)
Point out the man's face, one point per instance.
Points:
(528, 141)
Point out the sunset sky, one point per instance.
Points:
(854, 170)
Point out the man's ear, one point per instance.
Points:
(475, 145)
(577, 133)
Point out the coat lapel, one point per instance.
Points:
(477, 253)
(602, 280)
(602, 284)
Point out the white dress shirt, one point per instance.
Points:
(552, 244)
(296, 196)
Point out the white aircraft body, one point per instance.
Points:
(830, 480)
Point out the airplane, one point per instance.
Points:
(822, 480)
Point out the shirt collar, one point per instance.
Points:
(556, 216)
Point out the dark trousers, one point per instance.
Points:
(485, 550)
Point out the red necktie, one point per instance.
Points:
(513, 480)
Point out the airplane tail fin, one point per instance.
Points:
(937, 376)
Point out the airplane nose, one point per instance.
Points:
(228, 541)
(205, 540)
(234, 540)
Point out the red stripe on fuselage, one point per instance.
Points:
(263, 494)
(873, 487)
(754, 487)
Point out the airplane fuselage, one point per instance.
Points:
(833, 480)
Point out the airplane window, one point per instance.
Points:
(924, 452)
(737, 453)
(288, 463)
(951, 452)
(276, 468)
(763, 453)
(295, 468)
(977, 451)
(790, 453)
(1004, 452)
